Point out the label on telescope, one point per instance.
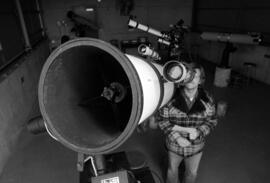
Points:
(111, 180)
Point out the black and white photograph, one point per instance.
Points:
(134, 91)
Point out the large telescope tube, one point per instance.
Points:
(92, 96)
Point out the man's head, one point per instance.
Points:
(199, 76)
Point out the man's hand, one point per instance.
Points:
(193, 132)
(183, 142)
(152, 123)
(209, 108)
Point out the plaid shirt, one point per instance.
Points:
(198, 116)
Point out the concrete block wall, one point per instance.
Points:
(158, 14)
(18, 98)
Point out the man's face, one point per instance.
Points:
(194, 83)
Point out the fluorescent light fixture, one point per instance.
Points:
(89, 9)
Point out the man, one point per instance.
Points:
(186, 120)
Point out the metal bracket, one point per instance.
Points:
(80, 162)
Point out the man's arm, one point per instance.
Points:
(168, 128)
(193, 132)
(163, 120)
(206, 127)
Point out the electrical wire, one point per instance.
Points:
(158, 177)
(93, 165)
(131, 174)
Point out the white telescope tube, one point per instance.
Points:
(146, 28)
(151, 86)
(163, 41)
(233, 38)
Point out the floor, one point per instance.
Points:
(237, 151)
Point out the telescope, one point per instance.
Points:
(146, 28)
(229, 39)
(162, 37)
(232, 38)
(92, 96)
(178, 72)
(147, 51)
(174, 37)
(85, 78)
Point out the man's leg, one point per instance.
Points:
(191, 167)
(174, 161)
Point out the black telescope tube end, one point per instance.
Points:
(77, 72)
